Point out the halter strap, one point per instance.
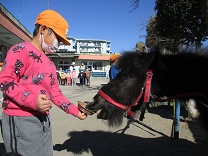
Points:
(106, 97)
(127, 108)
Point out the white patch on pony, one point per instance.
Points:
(192, 110)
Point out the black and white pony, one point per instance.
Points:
(182, 76)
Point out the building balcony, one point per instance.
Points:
(90, 45)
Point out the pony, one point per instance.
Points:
(181, 75)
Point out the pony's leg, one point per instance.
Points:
(144, 107)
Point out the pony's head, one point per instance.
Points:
(124, 88)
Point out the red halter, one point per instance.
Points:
(127, 108)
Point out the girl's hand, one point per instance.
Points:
(81, 115)
(43, 104)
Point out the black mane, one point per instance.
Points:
(170, 72)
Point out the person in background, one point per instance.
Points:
(82, 67)
(72, 66)
(63, 78)
(114, 69)
(60, 70)
(26, 122)
(74, 76)
(58, 76)
(88, 74)
(81, 77)
(68, 78)
(140, 47)
(107, 72)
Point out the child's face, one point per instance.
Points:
(49, 36)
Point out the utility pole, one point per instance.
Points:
(20, 13)
(48, 5)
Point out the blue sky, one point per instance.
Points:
(109, 20)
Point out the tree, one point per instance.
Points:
(153, 38)
(182, 21)
(204, 4)
(178, 22)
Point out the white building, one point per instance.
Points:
(95, 54)
(92, 46)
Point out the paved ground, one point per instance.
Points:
(88, 137)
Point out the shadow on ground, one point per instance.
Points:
(198, 126)
(101, 143)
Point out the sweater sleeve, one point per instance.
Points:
(13, 69)
(60, 100)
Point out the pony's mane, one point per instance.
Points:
(131, 60)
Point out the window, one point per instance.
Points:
(98, 65)
(89, 63)
(64, 64)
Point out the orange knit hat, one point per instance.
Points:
(56, 22)
(114, 57)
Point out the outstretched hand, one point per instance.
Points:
(43, 103)
(81, 115)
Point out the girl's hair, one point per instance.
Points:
(35, 32)
(37, 26)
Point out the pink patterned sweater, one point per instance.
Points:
(26, 73)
